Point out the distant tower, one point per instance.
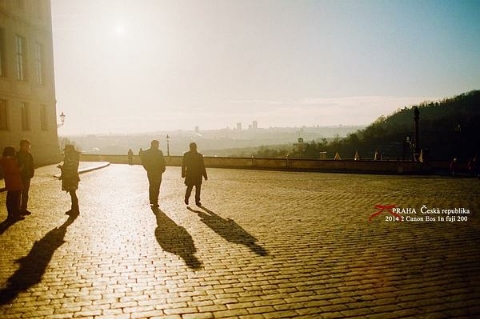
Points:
(239, 126)
(197, 129)
(255, 125)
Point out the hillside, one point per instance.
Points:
(448, 128)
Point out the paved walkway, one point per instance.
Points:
(266, 245)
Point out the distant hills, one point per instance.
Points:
(447, 128)
(222, 142)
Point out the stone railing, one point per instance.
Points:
(290, 164)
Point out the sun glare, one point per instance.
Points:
(119, 30)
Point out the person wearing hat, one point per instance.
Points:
(70, 176)
(154, 163)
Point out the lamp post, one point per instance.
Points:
(168, 145)
(62, 120)
(416, 118)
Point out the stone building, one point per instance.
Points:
(27, 87)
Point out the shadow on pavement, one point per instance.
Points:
(229, 230)
(33, 266)
(175, 239)
(6, 224)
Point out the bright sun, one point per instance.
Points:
(119, 30)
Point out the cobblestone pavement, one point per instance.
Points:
(266, 245)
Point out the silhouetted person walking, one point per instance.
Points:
(154, 163)
(13, 182)
(25, 160)
(70, 177)
(193, 169)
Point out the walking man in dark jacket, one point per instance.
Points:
(25, 160)
(193, 169)
(154, 163)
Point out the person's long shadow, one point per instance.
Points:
(33, 266)
(229, 230)
(6, 224)
(175, 239)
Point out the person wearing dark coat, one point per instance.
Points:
(25, 160)
(193, 169)
(70, 177)
(154, 163)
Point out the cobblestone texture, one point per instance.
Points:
(266, 245)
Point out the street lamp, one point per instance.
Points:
(416, 143)
(168, 145)
(62, 120)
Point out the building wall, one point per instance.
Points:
(35, 91)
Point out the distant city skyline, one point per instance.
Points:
(124, 66)
(219, 142)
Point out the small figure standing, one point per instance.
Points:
(25, 160)
(193, 169)
(70, 177)
(154, 163)
(13, 182)
(473, 166)
(476, 167)
(130, 157)
(454, 167)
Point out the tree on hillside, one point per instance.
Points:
(447, 128)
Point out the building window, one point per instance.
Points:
(43, 118)
(39, 63)
(40, 9)
(3, 115)
(2, 52)
(21, 4)
(25, 117)
(21, 58)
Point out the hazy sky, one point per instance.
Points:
(146, 65)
